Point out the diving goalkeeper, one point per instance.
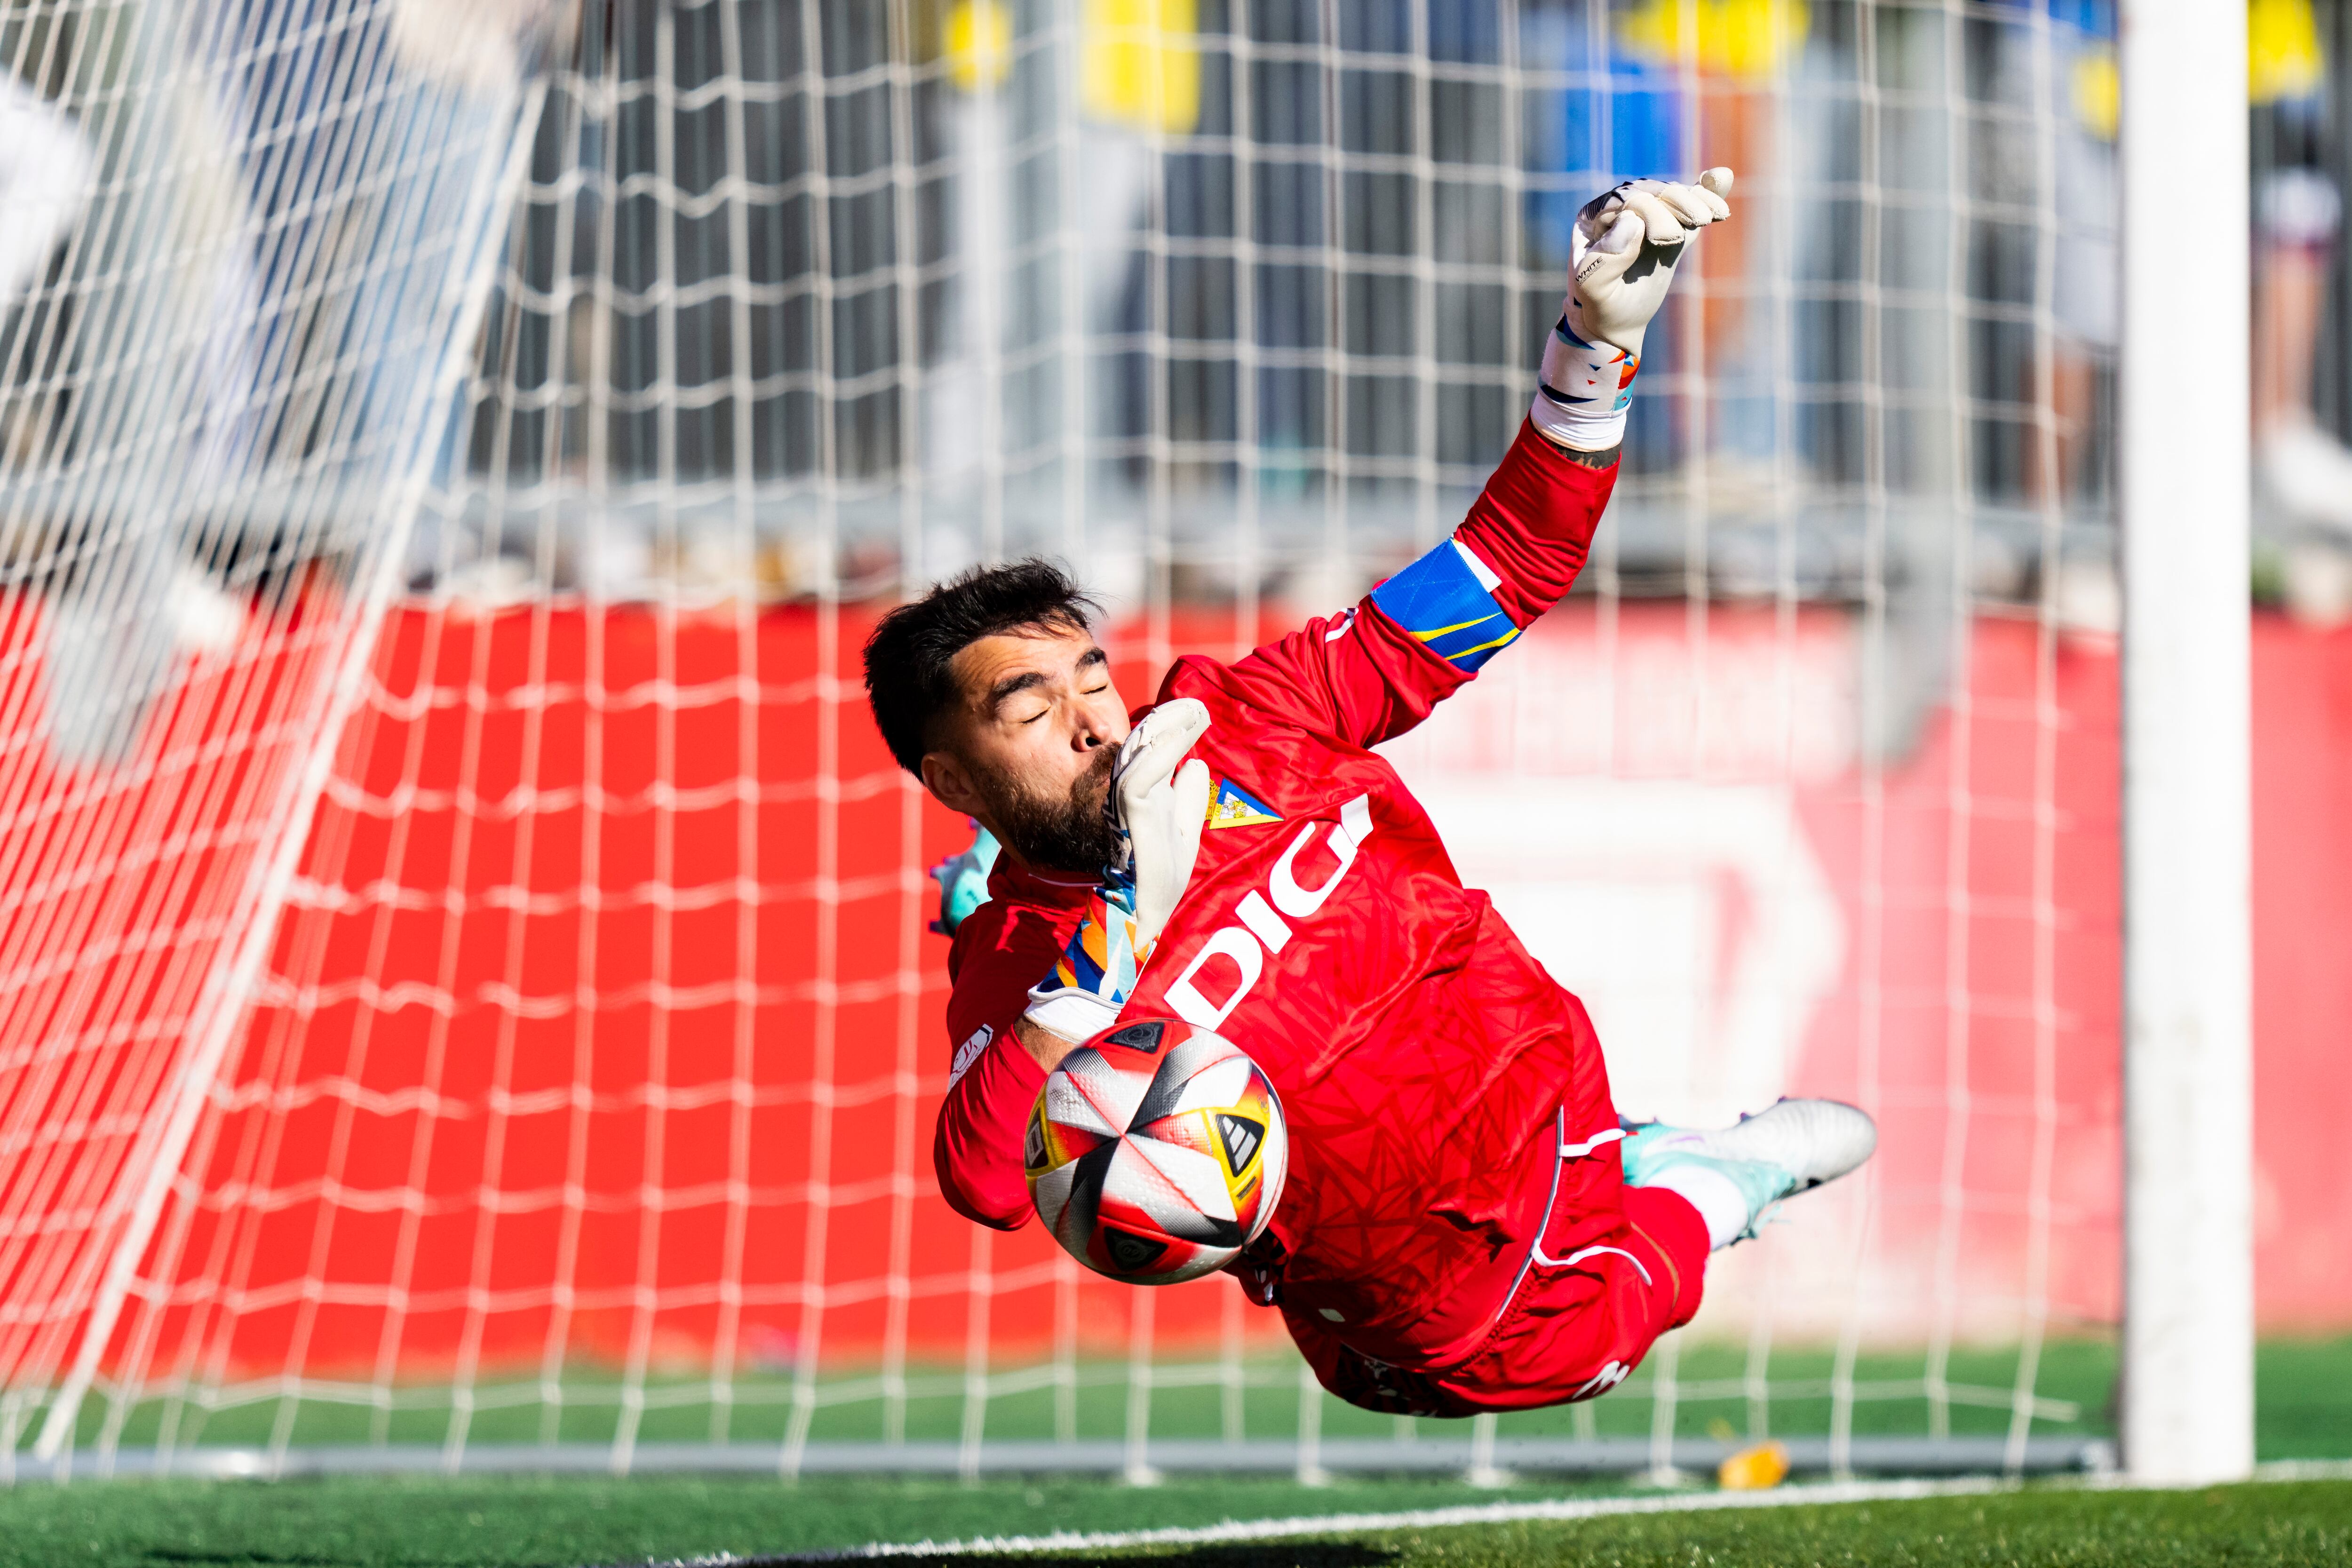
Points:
(1466, 1226)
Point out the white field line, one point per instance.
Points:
(1562, 1509)
(2304, 1470)
(1244, 1530)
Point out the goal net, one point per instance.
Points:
(465, 996)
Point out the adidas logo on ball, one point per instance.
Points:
(1241, 1136)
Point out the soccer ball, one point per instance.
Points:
(1156, 1152)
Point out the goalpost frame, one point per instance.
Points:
(2183, 482)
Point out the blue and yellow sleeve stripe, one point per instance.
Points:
(1445, 600)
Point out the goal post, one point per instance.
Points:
(2188, 1294)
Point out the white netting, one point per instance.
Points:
(249, 239)
(583, 1093)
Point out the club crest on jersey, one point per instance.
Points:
(1233, 806)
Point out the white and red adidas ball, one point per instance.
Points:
(1156, 1152)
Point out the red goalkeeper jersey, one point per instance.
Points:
(1422, 1056)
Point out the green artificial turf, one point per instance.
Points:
(1711, 1382)
(468, 1523)
(2246, 1527)
(2303, 1399)
(477, 1522)
(2304, 1390)
(2304, 1410)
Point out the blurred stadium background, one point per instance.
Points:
(464, 992)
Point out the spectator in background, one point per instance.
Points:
(1136, 66)
(2303, 472)
(2084, 293)
(2301, 469)
(44, 173)
(280, 245)
(360, 144)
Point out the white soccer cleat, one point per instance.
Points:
(2306, 473)
(1770, 1156)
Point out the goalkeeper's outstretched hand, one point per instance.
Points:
(1626, 247)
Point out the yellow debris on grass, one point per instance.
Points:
(1754, 1468)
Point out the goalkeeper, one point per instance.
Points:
(1466, 1226)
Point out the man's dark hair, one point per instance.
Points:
(907, 675)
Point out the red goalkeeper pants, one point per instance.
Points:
(1573, 1327)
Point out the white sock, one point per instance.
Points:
(1716, 1195)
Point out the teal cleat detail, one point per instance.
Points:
(963, 880)
(1771, 1156)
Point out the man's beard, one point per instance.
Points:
(1067, 833)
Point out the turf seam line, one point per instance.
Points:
(1548, 1510)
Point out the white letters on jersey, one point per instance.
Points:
(1244, 945)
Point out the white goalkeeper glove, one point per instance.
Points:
(1622, 257)
(1161, 808)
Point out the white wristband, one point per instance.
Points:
(1070, 1013)
(1584, 389)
